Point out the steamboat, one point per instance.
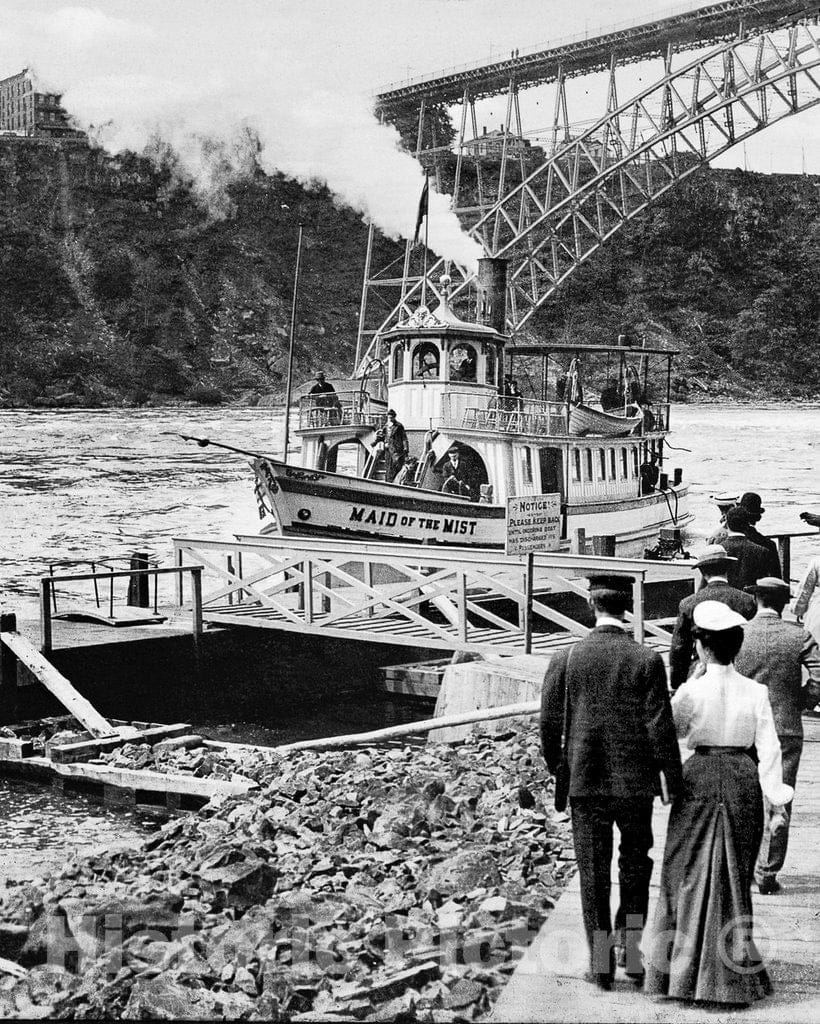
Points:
(472, 440)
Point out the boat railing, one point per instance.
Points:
(329, 409)
(506, 414)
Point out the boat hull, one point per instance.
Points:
(299, 502)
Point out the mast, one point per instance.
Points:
(290, 345)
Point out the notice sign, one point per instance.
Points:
(533, 523)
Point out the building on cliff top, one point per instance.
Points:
(25, 110)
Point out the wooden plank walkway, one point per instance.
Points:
(548, 984)
(395, 629)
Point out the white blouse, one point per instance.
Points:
(722, 708)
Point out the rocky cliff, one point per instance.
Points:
(118, 286)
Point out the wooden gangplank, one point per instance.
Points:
(410, 595)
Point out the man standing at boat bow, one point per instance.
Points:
(396, 447)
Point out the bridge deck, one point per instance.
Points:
(683, 29)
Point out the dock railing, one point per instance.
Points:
(416, 595)
(48, 597)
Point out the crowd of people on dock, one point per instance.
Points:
(740, 678)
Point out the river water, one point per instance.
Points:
(88, 484)
(93, 483)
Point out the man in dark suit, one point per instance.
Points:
(620, 737)
(714, 564)
(775, 653)
(751, 503)
(752, 561)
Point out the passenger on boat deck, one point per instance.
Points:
(407, 474)
(325, 400)
(649, 473)
(455, 475)
(396, 448)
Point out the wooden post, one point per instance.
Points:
(308, 590)
(637, 608)
(196, 602)
(462, 607)
(138, 584)
(229, 566)
(784, 549)
(45, 615)
(8, 669)
(528, 580)
(328, 582)
(367, 573)
(180, 588)
(578, 542)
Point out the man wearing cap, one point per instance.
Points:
(620, 736)
(774, 653)
(714, 564)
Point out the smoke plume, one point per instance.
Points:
(205, 76)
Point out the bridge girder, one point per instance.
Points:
(562, 211)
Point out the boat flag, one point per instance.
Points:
(423, 208)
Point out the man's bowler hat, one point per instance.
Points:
(714, 554)
(752, 503)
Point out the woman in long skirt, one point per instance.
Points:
(703, 947)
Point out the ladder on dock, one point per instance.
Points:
(454, 599)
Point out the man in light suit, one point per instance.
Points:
(714, 564)
(620, 737)
(774, 653)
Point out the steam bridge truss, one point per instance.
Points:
(730, 70)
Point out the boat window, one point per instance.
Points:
(576, 466)
(635, 461)
(589, 464)
(398, 362)
(490, 365)
(612, 464)
(425, 361)
(602, 462)
(624, 465)
(526, 465)
(463, 363)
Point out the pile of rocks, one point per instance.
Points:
(399, 884)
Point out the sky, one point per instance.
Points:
(301, 73)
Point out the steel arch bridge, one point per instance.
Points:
(549, 216)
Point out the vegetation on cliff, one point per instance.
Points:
(118, 286)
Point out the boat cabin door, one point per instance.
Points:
(551, 462)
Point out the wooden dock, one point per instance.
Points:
(548, 987)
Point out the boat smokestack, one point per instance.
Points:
(491, 307)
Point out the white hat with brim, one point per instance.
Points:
(714, 554)
(769, 585)
(716, 616)
(726, 499)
